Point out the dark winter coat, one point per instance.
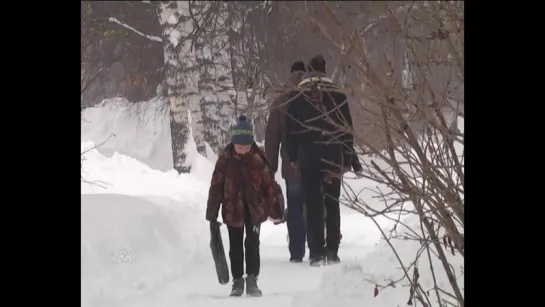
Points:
(326, 130)
(238, 181)
(276, 138)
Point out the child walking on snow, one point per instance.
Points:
(244, 185)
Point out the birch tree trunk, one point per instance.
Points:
(245, 51)
(215, 81)
(235, 46)
(169, 19)
(226, 91)
(191, 67)
(197, 124)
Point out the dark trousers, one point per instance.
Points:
(319, 197)
(295, 219)
(240, 246)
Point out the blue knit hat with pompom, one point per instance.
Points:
(242, 133)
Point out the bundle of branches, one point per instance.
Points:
(403, 66)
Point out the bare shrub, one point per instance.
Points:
(402, 66)
(99, 184)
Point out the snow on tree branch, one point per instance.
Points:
(150, 37)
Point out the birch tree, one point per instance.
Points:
(175, 24)
(193, 14)
(172, 24)
(212, 67)
(216, 82)
(245, 52)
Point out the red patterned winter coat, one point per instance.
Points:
(243, 179)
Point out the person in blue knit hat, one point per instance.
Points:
(243, 186)
(242, 133)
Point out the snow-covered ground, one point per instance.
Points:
(145, 241)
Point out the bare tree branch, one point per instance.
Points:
(95, 182)
(402, 67)
(150, 37)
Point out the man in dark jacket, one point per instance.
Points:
(320, 144)
(275, 141)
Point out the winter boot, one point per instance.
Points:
(317, 261)
(238, 287)
(296, 260)
(251, 286)
(333, 257)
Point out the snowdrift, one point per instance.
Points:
(140, 131)
(155, 219)
(128, 175)
(353, 283)
(137, 130)
(130, 245)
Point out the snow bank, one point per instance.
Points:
(127, 175)
(130, 245)
(140, 131)
(353, 283)
(157, 217)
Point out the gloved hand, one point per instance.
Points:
(276, 222)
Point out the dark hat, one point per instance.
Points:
(317, 63)
(242, 133)
(297, 66)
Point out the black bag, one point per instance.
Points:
(218, 253)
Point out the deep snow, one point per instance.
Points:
(137, 204)
(132, 244)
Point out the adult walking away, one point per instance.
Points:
(275, 141)
(320, 147)
(244, 187)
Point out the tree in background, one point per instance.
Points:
(404, 69)
(216, 82)
(118, 60)
(175, 26)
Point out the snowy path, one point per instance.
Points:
(173, 265)
(280, 281)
